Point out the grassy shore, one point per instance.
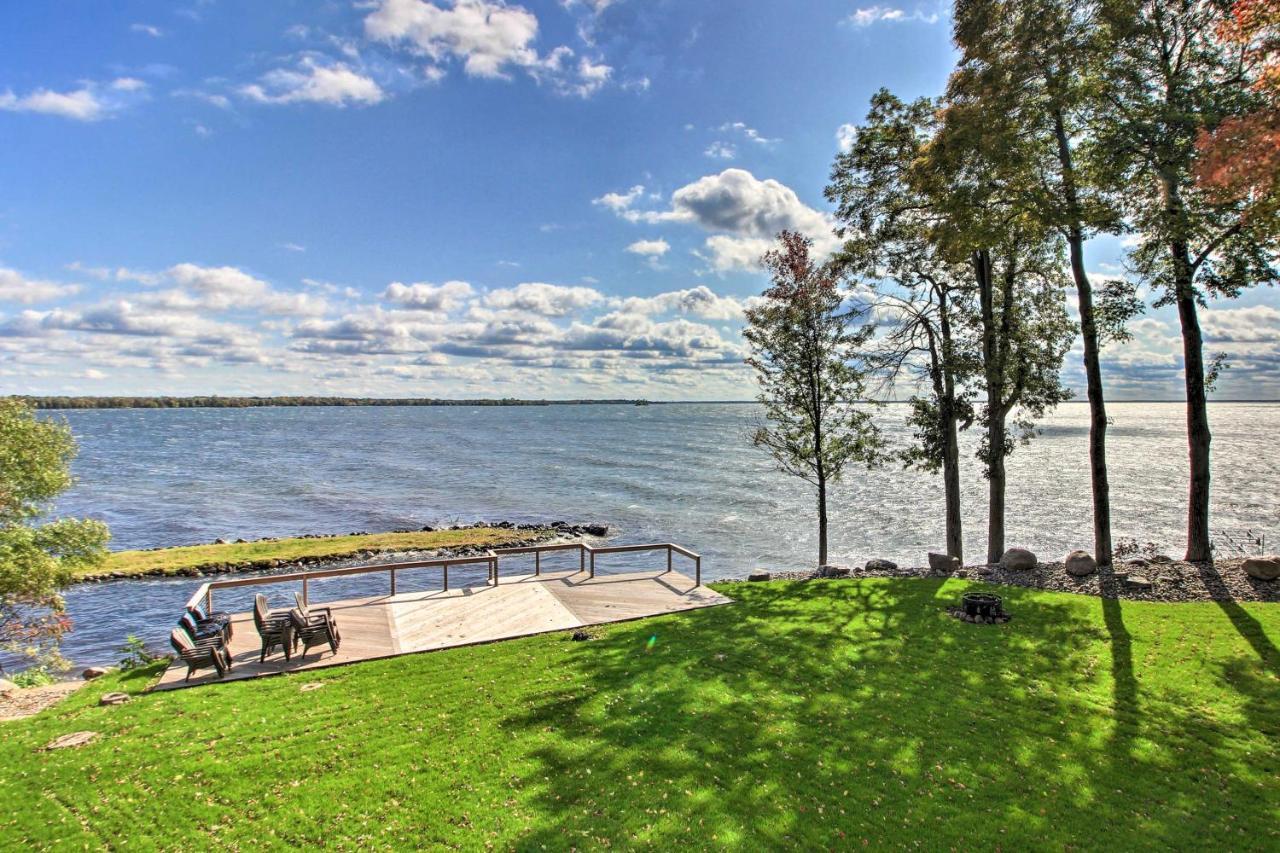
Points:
(829, 714)
(262, 554)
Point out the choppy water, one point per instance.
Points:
(681, 473)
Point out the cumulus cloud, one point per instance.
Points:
(721, 151)
(650, 248)
(489, 39)
(700, 301)
(548, 300)
(226, 288)
(14, 287)
(313, 81)
(424, 296)
(743, 212)
(845, 136)
(92, 101)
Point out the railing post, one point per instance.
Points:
(208, 600)
(582, 558)
(446, 577)
(537, 564)
(668, 558)
(593, 564)
(697, 569)
(495, 572)
(393, 581)
(305, 600)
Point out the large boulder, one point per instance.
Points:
(1080, 564)
(758, 575)
(1263, 568)
(1019, 559)
(834, 571)
(94, 672)
(943, 562)
(879, 565)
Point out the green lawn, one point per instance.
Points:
(821, 715)
(187, 558)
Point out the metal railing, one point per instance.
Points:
(586, 563)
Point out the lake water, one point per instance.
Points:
(682, 473)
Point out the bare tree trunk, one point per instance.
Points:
(951, 483)
(993, 369)
(1198, 434)
(822, 522)
(996, 487)
(1092, 364)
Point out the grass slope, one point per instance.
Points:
(187, 558)
(827, 714)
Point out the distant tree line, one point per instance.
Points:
(216, 402)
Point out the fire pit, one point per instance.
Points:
(981, 607)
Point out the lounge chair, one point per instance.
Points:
(199, 657)
(203, 632)
(275, 629)
(312, 629)
(217, 617)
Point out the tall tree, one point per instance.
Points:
(975, 169)
(37, 556)
(1034, 62)
(885, 225)
(805, 347)
(1168, 79)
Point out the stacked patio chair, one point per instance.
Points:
(313, 626)
(205, 630)
(275, 629)
(218, 617)
(200, 655)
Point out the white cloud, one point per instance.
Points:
(229, 288)
(698, 301)
(749, 132)
(721, 151)
(335, 84)
(490, 39)
(90, 102)
(619, 202)
(424, 296)
(650, 248)
(548, 300)
(727, 254)
(845, 136)
(14, 287)
(147, 30)
(866, 16)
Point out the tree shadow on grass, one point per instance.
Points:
(824, 713)
(1248, 626)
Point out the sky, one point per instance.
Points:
(455, 198)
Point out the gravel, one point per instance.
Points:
(1224, 580)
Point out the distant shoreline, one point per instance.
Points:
(220, 402)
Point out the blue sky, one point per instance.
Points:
(404, 198)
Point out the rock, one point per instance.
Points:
(961, 573)
(1138, 562)
(113, 699)
(758, 575)
(427, 528)
(1018, 559)
(219, 541)
(1263, 568)
(94, 672)
(7, 687)
(1080, 564)
(73, 739)
(1138, 582)
(596, 529)
(878, 565)
(943, 562)
(580, 636)
(834, 571)
(240, 541)
(1161, 558)
(311, 685)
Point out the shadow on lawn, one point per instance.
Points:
(1249, 627)
(808, 714)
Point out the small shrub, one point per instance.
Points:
(36, 676)
(135, 654)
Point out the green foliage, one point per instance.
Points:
(39, 675)
(135, 654)
(37, 559)
(807, 716)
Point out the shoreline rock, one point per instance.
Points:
(1136, 580)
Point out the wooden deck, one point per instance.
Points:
(390, 625)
